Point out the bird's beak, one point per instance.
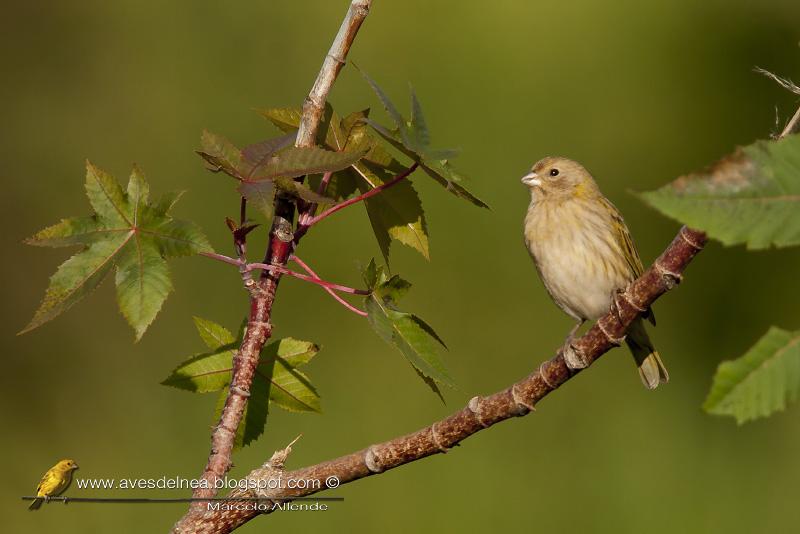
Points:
(531, 179)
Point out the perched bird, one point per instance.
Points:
(54, 482)
(584, 253)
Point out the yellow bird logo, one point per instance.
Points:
(54, 482)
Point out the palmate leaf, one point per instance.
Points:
(761, 381)
(266, 167)
(414, 338)
(412, 138)
(396, 215)
(126, 232)
(277, 378)
(751, 196)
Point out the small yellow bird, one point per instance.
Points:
(584, 253)
(54, 482)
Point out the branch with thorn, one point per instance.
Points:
(517, 400)
(262, 291)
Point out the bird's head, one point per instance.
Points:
(558, 177)
(67, 465)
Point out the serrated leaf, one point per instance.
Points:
(760, 382)
(213, 335)
(396, 213)
(751, 196)
(126, 233)
(285, 119)
(405, 333)
(203, 373)
(259, 194)
(256, 154)
(276, 379)
(67, 232)
(412, 138)
(413, 337)
(371, 273)
(293, 162)
(220, 154)
(417, 124)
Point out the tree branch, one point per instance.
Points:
(482, 412)
(262, 292)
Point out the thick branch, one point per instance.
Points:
(262, 292)
(482, 412)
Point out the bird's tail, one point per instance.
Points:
(36, 504)
(651, 369)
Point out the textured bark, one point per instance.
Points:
(262, 291)
(481, 412)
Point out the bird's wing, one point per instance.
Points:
(43, 484)
(628, 248)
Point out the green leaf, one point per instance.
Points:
(751, 196)
(276, 380)
(125, 232)
(220, 154)
(760, 382)
(285, 119)
(210, 371)
(408, 333)
(395, 214)
(259, 194)
(412, 138)
(213, 334)
(295, 161)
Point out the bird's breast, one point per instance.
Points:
(573, 246)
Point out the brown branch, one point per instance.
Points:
(262, 292)
(482, 412)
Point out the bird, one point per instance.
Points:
(584, 254)
(54, 482)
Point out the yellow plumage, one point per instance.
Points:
(584, 252)
(54, 482)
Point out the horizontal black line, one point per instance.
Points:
(187, 499)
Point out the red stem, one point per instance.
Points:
(303, 227)
(312, 279)
(330, 291)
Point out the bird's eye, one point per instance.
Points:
(553, 172)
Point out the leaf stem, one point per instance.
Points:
(303, 227)
(311, 277)
(330, 291)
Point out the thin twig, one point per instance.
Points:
(323, 184)
(482, 412)
(794, 123)
(330, 291)
(313, 278)
(306, 278)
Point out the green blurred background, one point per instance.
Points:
(640, 92)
